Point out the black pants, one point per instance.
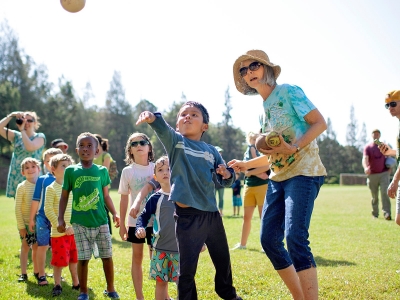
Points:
(194, 228)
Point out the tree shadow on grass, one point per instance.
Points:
(120, 243)
(332, 263)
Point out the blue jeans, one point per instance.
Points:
(287, 214)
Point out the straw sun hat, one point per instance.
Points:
(259, 56)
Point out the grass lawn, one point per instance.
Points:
(357, 256)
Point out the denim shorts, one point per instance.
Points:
(43, 228)
(287, 214)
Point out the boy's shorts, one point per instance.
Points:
(237, 200)
(63, 250)
(133, 239)
(43, 227)
(255, 195)
(164, 266)
(92, 240)
(30, 237)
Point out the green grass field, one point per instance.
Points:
(357, 256)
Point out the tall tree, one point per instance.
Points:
(362, 139)
(352, 128)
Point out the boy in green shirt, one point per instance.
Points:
(89, 185)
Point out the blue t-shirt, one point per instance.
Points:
(192, 164)
(40, 191)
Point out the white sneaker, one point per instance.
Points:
(238, 246)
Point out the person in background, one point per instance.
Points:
(255, 189)
(165, 259)
(30, 168)
(297, 172)
(26, 141)
(64, 252)
(60, 144)
(38, 222)
(392, 103)
(88, 183)
(236, 197)
(378, 176)
(219, 189)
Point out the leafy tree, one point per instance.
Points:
(352, 128)
(362, 140)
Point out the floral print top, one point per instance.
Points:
(20, 153)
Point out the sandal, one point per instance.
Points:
(76, 287)
(36, 276)
(42, 281)
(22, 278)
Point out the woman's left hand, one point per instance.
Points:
(282, 148)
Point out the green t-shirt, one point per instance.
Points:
(87, 188)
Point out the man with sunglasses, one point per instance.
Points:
(392, 104)
(378, 176)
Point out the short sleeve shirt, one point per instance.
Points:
(284, 112)
(87, 185)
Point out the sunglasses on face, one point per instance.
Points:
(141, 143)
(391, 104)
(254, 66)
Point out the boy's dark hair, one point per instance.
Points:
(162, 160)
(204, 112)
(87, 134)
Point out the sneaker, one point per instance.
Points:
(57, 290)
(238, 246)
(112, 295)
(387, 217)
(23, 278)
(76, 287)
(83, 296)
(36, 276)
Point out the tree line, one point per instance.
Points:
(24, 85)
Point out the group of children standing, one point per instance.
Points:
(176, 222)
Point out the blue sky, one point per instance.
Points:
(341, 53)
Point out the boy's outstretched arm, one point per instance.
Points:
(61, 210)
(110, 205)
(146, 117)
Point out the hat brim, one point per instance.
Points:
(241, 85)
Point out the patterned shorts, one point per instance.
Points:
(164, 266)
(30, 237)
(63, 251)
(92, 240)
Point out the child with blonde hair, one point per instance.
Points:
(64, 252)
(30, 168)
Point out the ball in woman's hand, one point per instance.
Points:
(261, 143)
(267, 141)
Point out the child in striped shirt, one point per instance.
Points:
(63, 247)
(30, 168)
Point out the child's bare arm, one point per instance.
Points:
(134, 210)
(110, 205)
(123, 207)
(61, 210)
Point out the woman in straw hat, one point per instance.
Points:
(297, 172)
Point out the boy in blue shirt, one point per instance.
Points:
(198, 221)
(38, 222)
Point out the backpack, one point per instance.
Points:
(113, 171)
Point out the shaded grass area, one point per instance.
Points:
(357, 256)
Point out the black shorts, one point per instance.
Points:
(133, 239)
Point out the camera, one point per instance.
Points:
(19, 121)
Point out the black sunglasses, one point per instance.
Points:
(391, 104)
(141, 143)
(254, 66)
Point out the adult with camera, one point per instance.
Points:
(26, 141)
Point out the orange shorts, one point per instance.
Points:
(63, 250)
(254, 195)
